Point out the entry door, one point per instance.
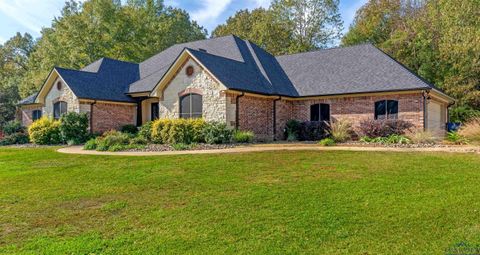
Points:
(435, 120)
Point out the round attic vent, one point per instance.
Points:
(59, 85)
(189, 70)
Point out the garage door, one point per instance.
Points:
(435, 123)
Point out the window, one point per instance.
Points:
(59, 85)
(320, 112)
(154, 112)
(191, 106)
(386, 109)
(36, 114)
(189, 71)
(59, 108)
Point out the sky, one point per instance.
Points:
(31, 15)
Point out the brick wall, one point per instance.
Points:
(24, 114)
(112, 116)
(256, 113)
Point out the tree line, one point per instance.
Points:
(438, 39)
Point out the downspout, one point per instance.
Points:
(275, 117)
(237, 110)
(91, 116)
(425, 110)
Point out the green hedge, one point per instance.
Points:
(45, 131)
(172, 131)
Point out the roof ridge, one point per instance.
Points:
(329, 49)
(118, 60)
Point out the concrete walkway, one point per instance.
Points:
(272, 147)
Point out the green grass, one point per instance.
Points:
(269, 202)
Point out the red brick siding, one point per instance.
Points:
(284, 112)
(410, 108)
(24, 115)
(256, 115)
(112, 116)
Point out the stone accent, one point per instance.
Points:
(25, 114)
(213, 98)
(108, 116)
(64, 94)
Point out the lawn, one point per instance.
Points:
(263, 203)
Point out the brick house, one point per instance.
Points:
(234, 81)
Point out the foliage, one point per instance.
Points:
(340, 130)
(462, 114)
(391, 139)
(74, 127)
(243, 136)
(8, 100)
(181, 146)
(292, 128)
(90, 144)
(129, 129)
(422, 137)
(15, 138)
(45, 131)
(170, 131)
(13, 127)
(217, 133)
(327, 142)
(312, 130)
(146, 131)
(456, 138)
(115, 141)
(471, 130)
(138, 140)
(84, 32)
(314, 23)
(383, 128)
(436, 39)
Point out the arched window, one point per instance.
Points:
(320, 112)
(386, 109)
(191, 106)
(59, 108)
(36, 114)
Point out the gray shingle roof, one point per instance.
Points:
(361, 68)
(28, 100)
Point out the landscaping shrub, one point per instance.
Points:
(292, 128)
(139, 140)
(74, 127)
(243, 136)
(461, 114)
(90, 144)
(340, 130)
(471, 130)
(13, 127)
(391, 139)
(178, 131)
(146, 131)
(216, 133)
(181, 146)
(312, 131)
(383, 128)
(327, 142)
(129, 129)
(422, 137)
(456, 138)
(45, 131)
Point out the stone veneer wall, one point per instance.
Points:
(64, 94)
(112, 116)
(214, 99)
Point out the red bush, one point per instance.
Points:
(383, 128)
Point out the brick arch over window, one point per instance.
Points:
(190, 91)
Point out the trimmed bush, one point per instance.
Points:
(383, 128)
(171, 131)
(217, 133)
(243, 136)
(15, 138)
(312, 131)
(340, 130)
(146, 131)
(292, 128)
(327, 142)
(45, 131)
(90, 144)
(74, 127)
(13, 127)
(129, 129)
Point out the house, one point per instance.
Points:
(234, 81)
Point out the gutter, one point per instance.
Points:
(275, 117)
(425, 111)
(237, 110)
(91, 116)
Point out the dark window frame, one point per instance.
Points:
(154, 111)
(36, 114)
(62, 109)
(386, 109)
(191, 113)
(320, 112)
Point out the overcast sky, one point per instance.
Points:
(31, 15)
